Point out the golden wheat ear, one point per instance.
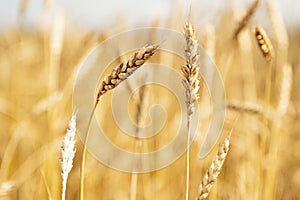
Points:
(214, 170)
(264, 43)
(191, 73)
(125, 69)
(191, 70)
(245, 107)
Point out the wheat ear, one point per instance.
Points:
(246, 18)
(124, 70)
(118, 74)
(245, 107)
(214, 170)
(67, 154)
(191, 84)
(264, 43)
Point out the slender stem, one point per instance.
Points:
(267, 97)
(84, 152)
(133, 186)
(138, 144)
(63, 193)
(188, 156)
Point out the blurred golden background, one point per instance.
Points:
(38, 67)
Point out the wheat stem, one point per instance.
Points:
(267, 51)
(118, 74)
(191, 84)
(138, 145)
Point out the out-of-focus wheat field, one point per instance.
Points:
(38, 68)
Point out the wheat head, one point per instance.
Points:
(125, 69)
(213, 171)
(245, 107)
(191, 84)
(246, 18)
(68, 153)
(190, 70)
(264, 43)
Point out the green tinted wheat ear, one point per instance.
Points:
(124, 70)
(264, 43)
(191, 84)
(213, 171)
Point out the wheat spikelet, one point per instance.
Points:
(264, 43)
(125, 69)
(67, 153)
(246, 18)
(214, 170)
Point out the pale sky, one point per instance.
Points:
(103, 13)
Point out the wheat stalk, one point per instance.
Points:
(139, 117)
(264, 43)
(191, 84)
(246, 18)
(67, 154)
(285, 92)
(209, 41)
(267, 51)
(214, 170)
(118, 74)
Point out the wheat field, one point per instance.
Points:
(259, 64)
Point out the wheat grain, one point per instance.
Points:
(124, 70)
(264, 43)
(67, 153)
(214, 170)
(246, 18)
